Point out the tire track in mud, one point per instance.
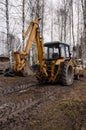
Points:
(19, 88)
(11, 110)
(15, 112)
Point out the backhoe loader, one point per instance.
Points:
(54, 59)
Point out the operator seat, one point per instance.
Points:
(55, 55)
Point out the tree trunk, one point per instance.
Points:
(23, 20)
(73, 27)
(51, 20)
(8, 42)
(42, 20)
(84, 19)
(78, 33)
(85, 26)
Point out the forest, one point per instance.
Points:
(61, 20)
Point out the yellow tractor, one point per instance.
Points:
(59, 65)
(54, 59)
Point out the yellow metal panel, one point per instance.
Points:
(59, 61)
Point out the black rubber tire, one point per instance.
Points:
(9, 72)
(36, 70)
(76, 77)
(67, 75)
(35, 67)
(1, 72)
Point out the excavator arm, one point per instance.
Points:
(21, 57)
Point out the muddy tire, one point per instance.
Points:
(76, 77)
(41, 77)
(67, 75)
(35, 68)
(1, 72)
(9, 72)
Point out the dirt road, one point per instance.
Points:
(27, 105)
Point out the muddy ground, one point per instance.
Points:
(27, 105)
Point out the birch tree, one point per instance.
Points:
(23, 20)
(83, 2)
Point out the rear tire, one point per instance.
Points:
(41, 77)
(76, 77)
(35, 68)
(67, 75)
(1, 72)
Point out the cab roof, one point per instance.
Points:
(55, 43)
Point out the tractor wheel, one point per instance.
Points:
(41, 77)
(67, 75)
(35, 68)
(9, 72)
(76, 77)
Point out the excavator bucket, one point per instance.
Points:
(26, 71)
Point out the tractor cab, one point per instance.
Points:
(56, 50)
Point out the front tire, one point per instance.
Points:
(67, 75)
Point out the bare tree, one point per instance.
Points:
(83, 2)
(8, 43)
(20, 13)
(42, 21)
(78, 33)
(7, 23)
(23, 19)
(36, 10)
